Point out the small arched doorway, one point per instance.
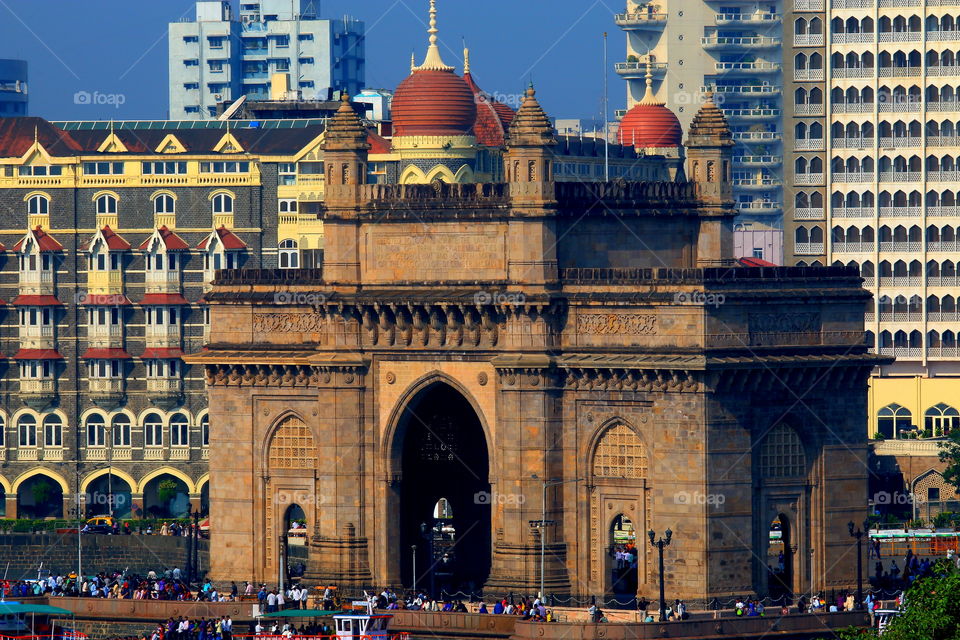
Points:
(780, 559)
(39, 497)
(623, 558)
(444, 492)
(166, 496)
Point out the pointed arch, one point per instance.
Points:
(464, 175)
(618, 452)
(40, 471)
(115, 472)
(290, 444)
(413, 175)
(440, 172)
(166, 470)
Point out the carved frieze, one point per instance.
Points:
(784, 322)
(622, 324)
(287, 322)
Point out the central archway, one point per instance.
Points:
(441, 451)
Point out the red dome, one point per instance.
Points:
(433, 103)
(650, 125)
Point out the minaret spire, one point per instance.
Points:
(466, 59)
(433, 61)
(648, 96)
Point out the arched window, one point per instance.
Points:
(939, 420)
(223, 203)
(289, 254)
(164, 203)
(893, 420)
(96, 431)
(27, 431)
(205, 431)
(179, 431)
(106, 204)
(291, 446)
(3, 431)
(781, 454)
(121, 430)
(52, 431)
(620, 454)
(38, 205)
(153, 430)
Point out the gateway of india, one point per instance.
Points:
(479, 369)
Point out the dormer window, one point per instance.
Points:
(162, 273)
(221, 250)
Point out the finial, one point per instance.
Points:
(344, 97)
(648, 97)
(413, 62)
(466, 59)
(36, 134)
(433, 61)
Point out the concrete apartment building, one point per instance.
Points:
(13, 88)
(733, 49)
(220, 57)
(872, 181)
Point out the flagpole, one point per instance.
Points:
(606, 118)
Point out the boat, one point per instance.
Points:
(364, 624)
(883, 618)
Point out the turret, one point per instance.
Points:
(528, 162)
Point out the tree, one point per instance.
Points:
(950, 453)
(932, 611)
(167, 490)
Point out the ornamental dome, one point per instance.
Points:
(650, 124)
(433, 100)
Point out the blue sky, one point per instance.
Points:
(119, 47)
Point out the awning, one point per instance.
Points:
(43, 609)
(155, 353)
(105, 354)
(37, 354)
(301, 613)
(163, 298)
(36, 301)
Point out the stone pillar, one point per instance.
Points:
(11, 505)
(194, 502)
(136, 505)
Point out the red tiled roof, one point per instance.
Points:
(36, 301)
(755, 262)
(493, 118)
(161, 353)
(37, 354)
(433, 103)
(104, 300)
(170, 240)
(163, 298)
(17, 136)
(378, 144)
(113, 240)
(44, 239)
(228, 238)
(105, 354)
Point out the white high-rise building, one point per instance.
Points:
(220, 57)
(732, 49)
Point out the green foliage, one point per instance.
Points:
(167, 490)
(916, 524)
(946, 519)
(879, 436)
(950, 453)
(933, 608)
(42, 490)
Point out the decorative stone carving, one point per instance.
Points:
(287, 322)
(482, 378)
(391, 377)
(628, 324)
(784, 322)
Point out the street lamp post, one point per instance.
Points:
(859, 534)
(542, 524)
(660, 544)
(413, 555)
(429, 533)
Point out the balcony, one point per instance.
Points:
(104, 283)
(901, 212)
(900, 106)
(808, 39)
(808, 213)
(851, 107)
(900, 36)
(808, 178)
(162, 335)
(808, 109)
(942, 281)
(943, 105)
(943, 141)
(752, 114)
(742, 90)
(759, 207)
(637, 70)
(852, 212)
(638, 21)
(179, 453)
(105, 392)
(36, 283)
(97, 454)
(808, 75)
(851, 4)
(757, 136)
(900, 142)
(31, 453)
(153, 453)
(757, 183)
(852, 247)
(900, 176)
(935, 211)
(719, 43)
(854, 177)
(38, 393)
(943, 245)
(849, 73)
(758, 17)
(901, 352)
(808, 248)
(902, 72)
(943, 36)
(901, 246)
(852, 143)
(808, 5)
(748, 67)
(901, 281)
(943, 176)
(757, 161)
(104, 335)
(896, 4)
(33, 336)
(53, 455)
(164, 392)
(852, 38)
(943, 316)
(162, 281)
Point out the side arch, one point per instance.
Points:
(123, 475)
(145, 480)
(595, 439)
(269, 434)
(41, 471)
(440, 172)
(413, 175)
